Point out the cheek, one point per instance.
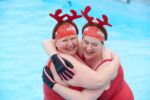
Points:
(60, 46)
(98, 49)
(83, 45)
(75, 42)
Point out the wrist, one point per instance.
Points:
(55, 86)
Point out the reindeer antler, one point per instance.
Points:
(104, 22)
(85, 14)
(74, 15)
(56, 15)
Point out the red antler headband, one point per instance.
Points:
(56, 15)
(94, 32)
(65, 29)
(60, 18)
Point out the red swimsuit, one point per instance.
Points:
(119, 89)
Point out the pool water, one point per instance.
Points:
(25, 24)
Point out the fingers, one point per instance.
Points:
(66, 75)
(114, 55)
(61, 76)
(115, 58)
(106, 54)
(70, 72)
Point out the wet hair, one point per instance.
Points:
(99, 27)
(63, 22)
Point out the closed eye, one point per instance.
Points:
(73, 38)
(95, 44)
(65, 40)
(86, 42)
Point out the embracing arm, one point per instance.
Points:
(49, 47)
(68, 93)
(92, 80)
(71, 94)
(107, 71)
(62, 66)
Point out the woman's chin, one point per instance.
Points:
(71, 52)
(88, 56)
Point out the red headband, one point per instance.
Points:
(92, 31)
(65, 29)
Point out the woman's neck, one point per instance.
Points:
(92, 63)
(79, 59)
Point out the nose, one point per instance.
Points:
(70, 43)
(89, 48)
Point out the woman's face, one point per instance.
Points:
(91, 47)
(68, 44)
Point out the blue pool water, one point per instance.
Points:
(25, 24)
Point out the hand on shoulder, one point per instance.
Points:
(106, 53)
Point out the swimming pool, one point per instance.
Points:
(25, 24)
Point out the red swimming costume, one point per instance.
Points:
(118, 90)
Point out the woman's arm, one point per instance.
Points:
(66, 92)
(84, 76)
(49, 47)
(71, 94)
(108, 70)
(92, 80)
(62, 66)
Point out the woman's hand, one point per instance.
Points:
(48, 77)
(63, 67)
(115, 57)
(106, 54)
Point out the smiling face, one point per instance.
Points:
(68, 44)
(91, 46)
(92, 42)
(66, 39)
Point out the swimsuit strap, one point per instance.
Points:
(101, 62)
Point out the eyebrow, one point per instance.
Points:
(91, 42)
(95, 43)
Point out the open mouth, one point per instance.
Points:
(70, 48)
(89, 53)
